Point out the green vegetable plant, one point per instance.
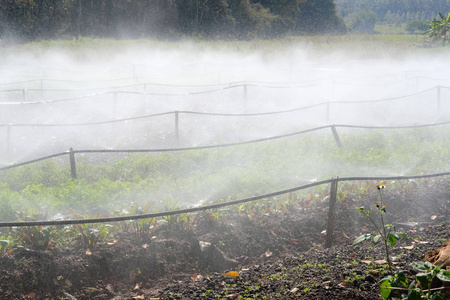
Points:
(385, 232)
(418, 289)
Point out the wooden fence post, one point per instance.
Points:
(336, 136)
(115, 104)
(328, 112)
(8, 140)
(177, 135)
(73, 167)
(439, 99)
(331, 213)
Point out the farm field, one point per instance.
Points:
(106, 129)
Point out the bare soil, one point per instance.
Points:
(277, 255)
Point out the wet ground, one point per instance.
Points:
(247, 253)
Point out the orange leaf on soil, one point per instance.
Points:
(231, 274)
(30, 295)
(116, 282)
(352, 255)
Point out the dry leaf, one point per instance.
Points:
(145, 246)
(116, 282)
(88, 252)
(433, 217)
(346, 236)
(132, 275)
(137, 287)
(30, 295)
(110, 288)
(343, 283)
(352, 255)
(232, 296)
(408, 247)
(139, 297)
(11, 251)
(273, 233)
(268, 253)
(366, 261)
(231, 274)
(112, 243)
(380, 262)
(323, 232)
(59, 277)
(294, 290)
(68, 283)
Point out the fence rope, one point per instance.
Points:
(213, 206)
(217, 146)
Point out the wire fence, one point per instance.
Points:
(331, 211)
(71, 152)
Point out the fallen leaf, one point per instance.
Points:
(323, 232)
(59, 277)
(295, 241)
(197, 277)
(352, 255)
(273, 233)
(139, 297)
(294, 290)
(421, 242)
(268, 253)
(88, 252)
(132, 275)
(346, 236)
(145, 246)
(343, 283)
(110, 288)
(433, 217)
(413, 230)
(116, 282)
(231, 274)
(11, 251)
(380, 262)
(194, 276)
(366, 261)
(30, 295)
(232, 296)
(68, 283)
(112, 243)
(408, 247)
(137, 287)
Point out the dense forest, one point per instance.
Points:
(242, 19)
(361, 15)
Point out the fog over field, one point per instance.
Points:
(137, 97)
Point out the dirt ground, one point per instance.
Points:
(276, 255)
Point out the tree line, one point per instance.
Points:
(391, 11)
(241, 19)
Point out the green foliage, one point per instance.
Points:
(384, 232)
(416, 26)
(421, 288)
(166, 19)
(439, 28)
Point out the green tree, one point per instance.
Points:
(319, 17)
(439, 28)
(415, 26)
(363, 22)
